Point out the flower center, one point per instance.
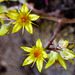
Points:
(24, 19)
(37, 53)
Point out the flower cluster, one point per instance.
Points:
(37, 54)
(21, 18)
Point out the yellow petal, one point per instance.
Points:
(16, 28)
(28, 60)
(24, 9)
(71, 61)
(13, 15)
(62, 61)
(39, 64)
(27, 49)
(50, 62)
(45, 55)
(38, 43)
(29, 28)
(33, 17)
(52, 57)
(2, 21)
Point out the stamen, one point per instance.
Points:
(37, 53)
(24, 19)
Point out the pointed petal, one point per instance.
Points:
(27, 49)
(52, 57)
(45, 55)
(13, 15)
(33, 17)
(50, 62)
(28, 60)
(29, 28)
(62, 61)
(39, 64)
(24, 9)
(63, 43)
(16, 28)
(71, 61)
(67, 54)
(38, 43)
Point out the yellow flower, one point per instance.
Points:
(23, 19)
(54, 56)
(36, 54)
(67, 54)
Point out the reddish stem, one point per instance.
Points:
(53, 49)
(55, 33)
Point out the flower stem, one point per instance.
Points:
(55, 33)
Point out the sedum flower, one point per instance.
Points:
(23, 19)
(54, 56)
(36, 54)
(63, 43)
(65, 51)
(67, 54)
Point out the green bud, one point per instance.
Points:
(70, 46)
(5, 29)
